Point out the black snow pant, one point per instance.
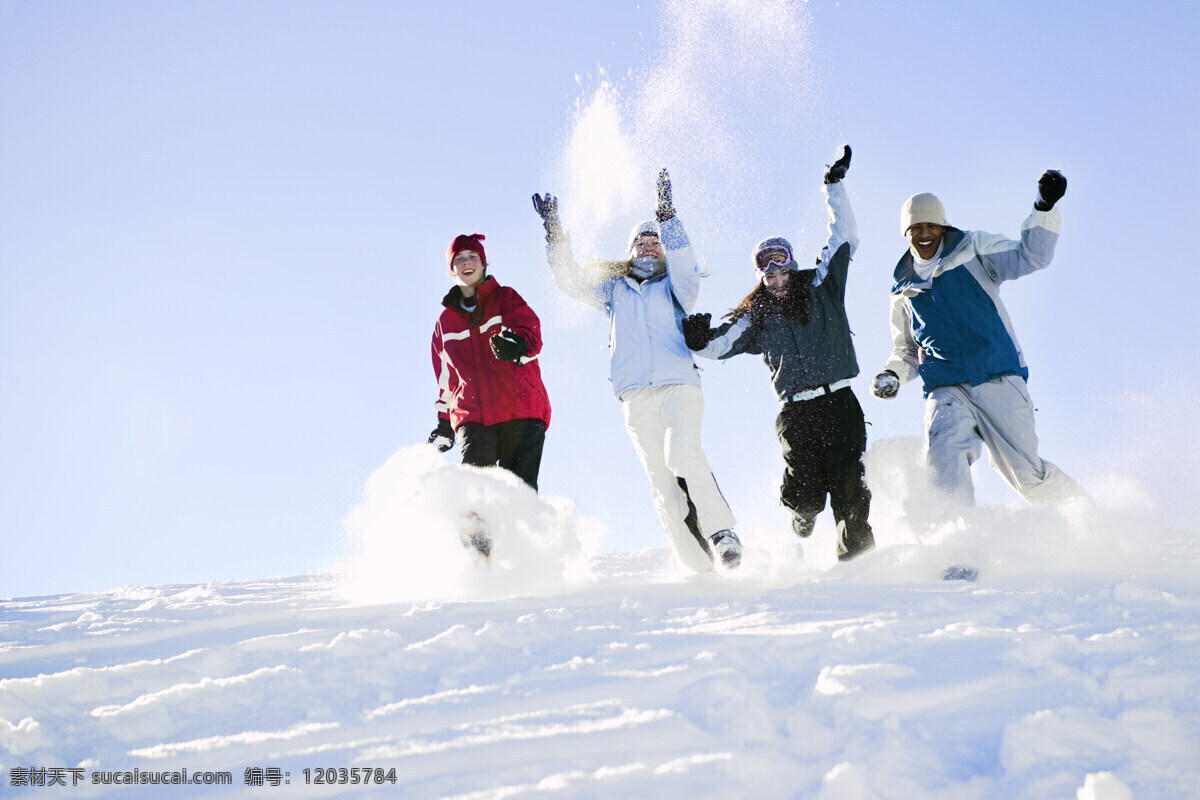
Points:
(823, 444)
(515, 445)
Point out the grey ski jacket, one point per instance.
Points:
(805, 356)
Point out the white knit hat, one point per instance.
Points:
(921, 208)
(648, 226)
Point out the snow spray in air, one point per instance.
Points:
(719, 70)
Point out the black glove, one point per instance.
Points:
(665, 210)
(507, 346)
(547, 209)
(837, 171)
(886, 384)
(696, 332)
(1051, 187)
(443, 435)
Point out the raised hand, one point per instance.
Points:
(665, 210)
(1051, 187)
(696, 331)
(547, 208)
(838, 169)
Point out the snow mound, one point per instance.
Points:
(406, 533)
(1116, 534)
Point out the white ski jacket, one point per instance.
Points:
(645, 332)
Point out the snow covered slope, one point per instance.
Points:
(636, 684)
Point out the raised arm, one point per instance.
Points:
(571, 279)
(682, 270)
(1005, 259)
(842, 227)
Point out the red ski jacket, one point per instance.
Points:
(474, 385)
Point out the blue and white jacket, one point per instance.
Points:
(953, 328)
(645, 332)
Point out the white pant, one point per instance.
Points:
(664, 425)
(960, 419)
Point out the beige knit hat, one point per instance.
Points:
(921, 208)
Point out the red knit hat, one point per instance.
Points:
(466, 241)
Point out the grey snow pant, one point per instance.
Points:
(960, 419)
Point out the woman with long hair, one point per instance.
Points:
(645, 296)
(796, 320)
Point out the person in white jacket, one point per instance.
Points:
(653, 374)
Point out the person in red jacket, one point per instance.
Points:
(485, 348)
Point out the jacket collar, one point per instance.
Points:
(639, 285)
(453, 298)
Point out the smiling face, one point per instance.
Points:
(776, 282)
(468, 271)
(647, 245)
(925, 239)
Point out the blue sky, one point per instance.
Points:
(223, 224)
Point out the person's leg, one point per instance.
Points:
(690, 520)
(643, 421)
(1007, 424)
(849, 495)
(803, 489)
(520, 448)
(952, 442)
(479, 444)
(682, 412)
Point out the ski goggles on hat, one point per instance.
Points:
(773, 258)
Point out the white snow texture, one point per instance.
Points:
(557, 672)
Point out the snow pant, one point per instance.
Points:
(664, 425)
(823, 443)
(960, 419)
(515, 445)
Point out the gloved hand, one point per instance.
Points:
(886, 384)
(1051, 187)
(507, 346)
(443, 435)
(696, 332)
(547, 209)
(837, 171)
(665, 210)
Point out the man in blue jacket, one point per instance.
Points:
(950, 328)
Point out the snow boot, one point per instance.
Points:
(803, 526)
(728, 547)
(474, 537)
(960, 573)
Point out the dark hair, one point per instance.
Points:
(797, 304)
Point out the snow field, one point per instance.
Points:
(639, 689)
(561, 672)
